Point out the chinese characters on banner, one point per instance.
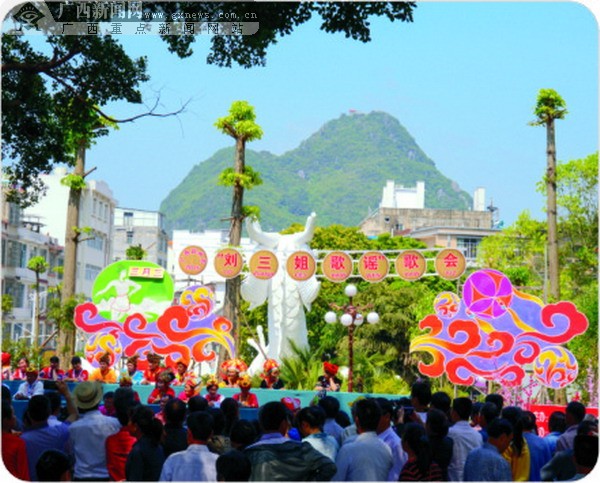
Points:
(229, 263)
(301, 265)
(264, 264)
(336, 266)
(373, 266)
(193, 260)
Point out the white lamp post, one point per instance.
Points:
(351, 318)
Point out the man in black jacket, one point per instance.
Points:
(275, 457)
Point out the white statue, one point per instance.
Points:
(287, 297)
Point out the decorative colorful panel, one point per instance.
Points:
(495, 331)
(136, 318)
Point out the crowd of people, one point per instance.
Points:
(93, 435)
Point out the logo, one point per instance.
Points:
(29, 16)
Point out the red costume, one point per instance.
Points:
(54, 375)
(156, 394)
(81, 375)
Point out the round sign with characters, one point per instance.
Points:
(131, 287)
(193, 260)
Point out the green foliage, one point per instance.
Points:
(7, 304)
(38, 265)
(50, 101)
(300, 371)
(240, 123)
(316, 176)
(135, 252)
(247, 180)
(74, 182)
(549, 106)
(251, 211)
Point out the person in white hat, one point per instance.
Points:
(88, 434)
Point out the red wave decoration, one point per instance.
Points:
(506, 340)
(473, 336)
(431, 322)
(436, 368)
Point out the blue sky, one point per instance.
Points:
(462, 78)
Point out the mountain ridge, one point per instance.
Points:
(356, 151)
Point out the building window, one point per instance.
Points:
(128, 218)
(468, 246)
(91, 272)
(129, 237)
(22, 256)
(96, 243)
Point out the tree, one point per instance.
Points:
(549, 107)
(241, 126)
(38, 265)
(135, 252)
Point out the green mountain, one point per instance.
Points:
(339, 172)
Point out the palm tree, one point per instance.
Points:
(549, 107)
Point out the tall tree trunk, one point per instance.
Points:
(36, 313)
(553, 273)
(67, 336)
(231, 307)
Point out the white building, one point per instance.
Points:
(211, 241)
(144, 228)
(22, 239)
(401, 197)
(96, 211)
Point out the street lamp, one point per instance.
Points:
(351, 318)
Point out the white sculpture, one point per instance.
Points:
(286, 296)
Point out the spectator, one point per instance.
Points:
(420, 465)
(293, 405)
(497, 399)
(387, 434)
(231, 412)
(55, 407)
(420, 398)
(197, 403)
(574, 414)
(145, 461)
(175, 436)
(539, 451)
(517, 453)
(53, 372)
(562, 465)
(476, 415)
(437, 427)
(585, 452)
(53, 465)
(40, 437)
(233, 466)
(486, 463)
(88, 434)
(442, 401)
(465, 438)
(108, 404)
(219, 443)
(366, 458)
(489, 412)
(331, 407)
(243, 433)
(197, 462)
(274, 457)
(310, 422)
(160, 415)
(31, 387)
(14, 452)
(557, 426)
(119, 445)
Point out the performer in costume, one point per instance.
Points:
(162, 387)
(230, 371)
(181, 372)
(154, 368)
(52, 372)
(329, 381)
(212, 393)
(245, 398)
(105, 373)
(5, 366)
(131, 371)
(20, 372)
(191, 388)
(76, 373)
(270, 375)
